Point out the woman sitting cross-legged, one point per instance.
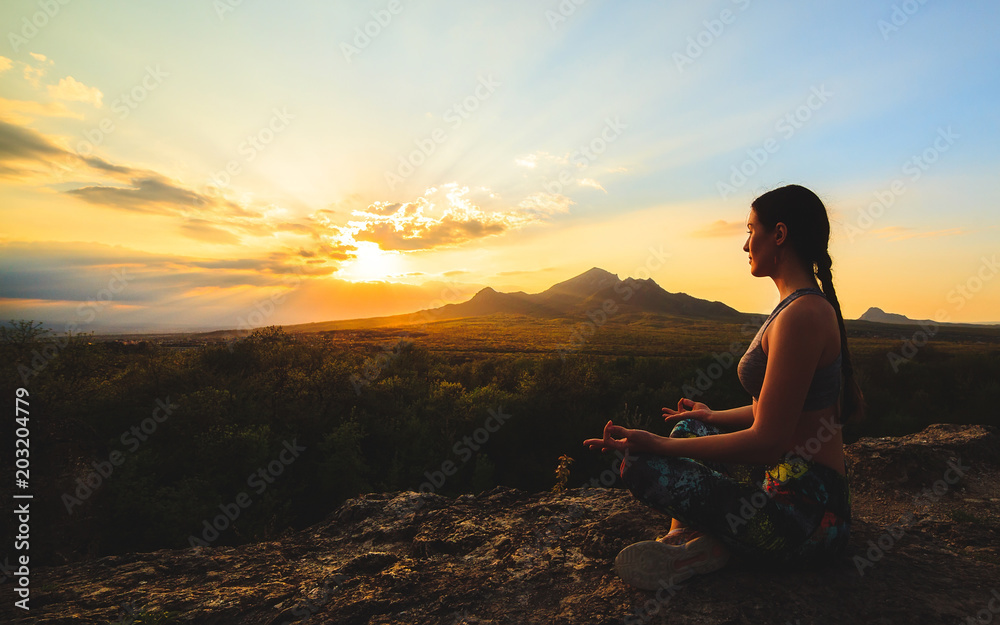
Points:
(767, 480)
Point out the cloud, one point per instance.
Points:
(149, 194)
(523, 272)
(206, 231)
(534, 159)
(28, 156)
(73, 90)
(409, 237)
(545, 204)
(63, 283)
(590, 182)
(67, 90)
(23, 148)
(33, 75)
(76, 271)
(720, 228)
(429, 223)
(25, 111)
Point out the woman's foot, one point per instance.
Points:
(651, 564)
(679, 536)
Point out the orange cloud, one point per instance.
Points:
(417, 225)
(720, 228)
(73, 90)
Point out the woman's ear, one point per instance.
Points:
(780, 233)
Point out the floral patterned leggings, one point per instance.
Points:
(796, 510)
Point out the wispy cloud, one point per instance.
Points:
(590, 182)
(424, 223)
(720, 228)
(152, 193)
(73, 90)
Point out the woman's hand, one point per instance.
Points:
(635, 441)
(687, 409)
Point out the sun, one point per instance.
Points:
(372, 264)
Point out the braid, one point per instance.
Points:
(853, 407)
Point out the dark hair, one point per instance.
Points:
(804, 215)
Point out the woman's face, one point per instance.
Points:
(760, 246)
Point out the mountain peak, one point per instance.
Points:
(585, 284)
(880, 316)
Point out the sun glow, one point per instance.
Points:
(373, 264)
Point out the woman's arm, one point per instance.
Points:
(741, 418)
(792, 358)
(733, 419)
(745, 446)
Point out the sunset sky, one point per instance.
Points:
(192, 161)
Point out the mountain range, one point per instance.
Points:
(591, 291)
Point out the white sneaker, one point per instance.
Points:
(650, 564)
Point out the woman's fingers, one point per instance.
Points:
(608, 441)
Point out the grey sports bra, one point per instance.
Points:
(825, 387)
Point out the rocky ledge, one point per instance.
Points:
(925, 549)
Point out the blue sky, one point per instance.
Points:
(504, 98)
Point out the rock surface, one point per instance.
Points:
(507, 556)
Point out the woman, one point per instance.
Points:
(767, 480)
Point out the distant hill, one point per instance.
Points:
(880, 316)
(877, 315)
(592, 290)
